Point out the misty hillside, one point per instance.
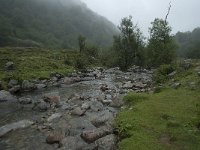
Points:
(189, 43)
(51, 23)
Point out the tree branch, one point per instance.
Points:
(169, 8)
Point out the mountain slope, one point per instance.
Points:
(51, 23)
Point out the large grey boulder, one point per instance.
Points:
(25, 100)
(6, 96)
(92, 135)
(28, 86)
(15, 89)
(12, 83)
(14, 126)
(106, 143)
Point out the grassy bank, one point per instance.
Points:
(168, 120)
(35, 63)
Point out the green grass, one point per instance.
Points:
(162, 121)
(35, 63)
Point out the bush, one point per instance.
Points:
(81, 63)
(161, 75)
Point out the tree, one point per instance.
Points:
(81, 43)
(161, 45)
(128, 44)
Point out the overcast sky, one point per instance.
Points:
(184, 15)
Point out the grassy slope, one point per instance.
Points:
(35, 63)
(163, 121)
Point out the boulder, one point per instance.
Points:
(76, 143)
(198, 73)
(52, 100)
(12, 83)
(14, 126)
(55, 137)
(6, 96)
(15, 89)
(106, 143)
(96, 105)
(92, 135)
(43, 106)
(28, 86)
(25, 100)
(101, 118)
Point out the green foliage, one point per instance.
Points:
(161, 74)
(51, 23)
(35, 63)
(165, 120)
(81, 63)
(129, 44)
(161, 47)
(189, 44)
(81, 43)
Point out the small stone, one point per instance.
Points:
(176, 85)
(12, 83)
(43, 107)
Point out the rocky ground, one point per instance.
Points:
(74, 112)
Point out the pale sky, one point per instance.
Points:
(184, 15)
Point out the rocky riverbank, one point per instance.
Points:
(74, 112)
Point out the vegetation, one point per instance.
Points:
(161, 46)
(165, 120)
(35, 63)
(129, 44)
(51, 24)
(189, 44)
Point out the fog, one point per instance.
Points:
(184, 14)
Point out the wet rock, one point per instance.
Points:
(78, 125)
(55, 137)
(92, 135)
(85, 106)
(176, 85)
(9, 66)
(106, 143)
(12, 83)
(52, 100)
(78, 111)
(15, 89)
(96, 105)
(28, 86)
(14, 126)
(54, 116)
(6, 96)
(75, 143)
(41, 86)
(101, 118)
(139, 85)
(43, 106)
(71, 80)
(74, 97)
(128, 85)
(107, 101)
(25, 100)
(104, 87)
